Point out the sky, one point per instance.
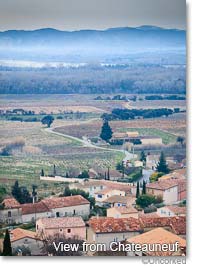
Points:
(91, 14)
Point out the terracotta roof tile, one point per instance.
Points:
(19, 233)
(177, 223)
(177, 210)
(62, 222)
(112, 225)
(162, 184)
(126, 210)
(58, 202)
(30, 208)
(148, 215)
(119, 199)
(158, 236)
(10, 203)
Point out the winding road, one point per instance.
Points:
(87, 143)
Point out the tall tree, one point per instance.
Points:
(47, 120)
(54, 170)
(144, 187)
(180, 140)
(106, 131)
(7, 249)
(42, 173)
(138, 190)
(162, 165)
(16, 191)
(143, 156)
(108, 174)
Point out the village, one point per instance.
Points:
(102, 209)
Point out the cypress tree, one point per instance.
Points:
(143, 156)
(144, 188)
(108, 174)
(106, 131)
(7, 249)
(162, 165)
(42, 173)
(54, 170)
(138, 190)
(16, 191)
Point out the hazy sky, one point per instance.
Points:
(91, 14)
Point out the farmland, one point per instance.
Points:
(77, 116)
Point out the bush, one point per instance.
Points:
(150, 209)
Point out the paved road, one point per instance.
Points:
(87, 143)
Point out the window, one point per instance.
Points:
(74, 212)
(69, 230)
(57, 214)
(99, 196)
(60, 230)
(9, 214)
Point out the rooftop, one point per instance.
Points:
(177, 224)
(119, 199)
(158, 236)
(64, 222)
(162, 184)
(59, 202)
(19, 233)
(176, 209)
(112, 225)
(125, 210)
(30, 208)
(10, 203)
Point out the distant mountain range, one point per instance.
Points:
(123, 40)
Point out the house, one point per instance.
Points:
(119, 201)
(106, 230)
(21, 238)
(10, 211)
(176, 174)
(32, 212)
(176, 225)
(124, 136)
(150, 140)
(75, 205)
(93, 186)
(67, 227)
(170, 211)
(122, 212)
(103, 195)
(167, 189)
(13, 212)
(152, 161)
(99, 173)
(158, 236)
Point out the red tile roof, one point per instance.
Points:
(112, 225)
(64, 222)
(59, 202)
(119, 199)
(162, 184)
(30, 208)
(148, 215)
(177, 210)
(126, 210)
(158, 236)
(177, 223)
(10, 203)
(19, 233)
